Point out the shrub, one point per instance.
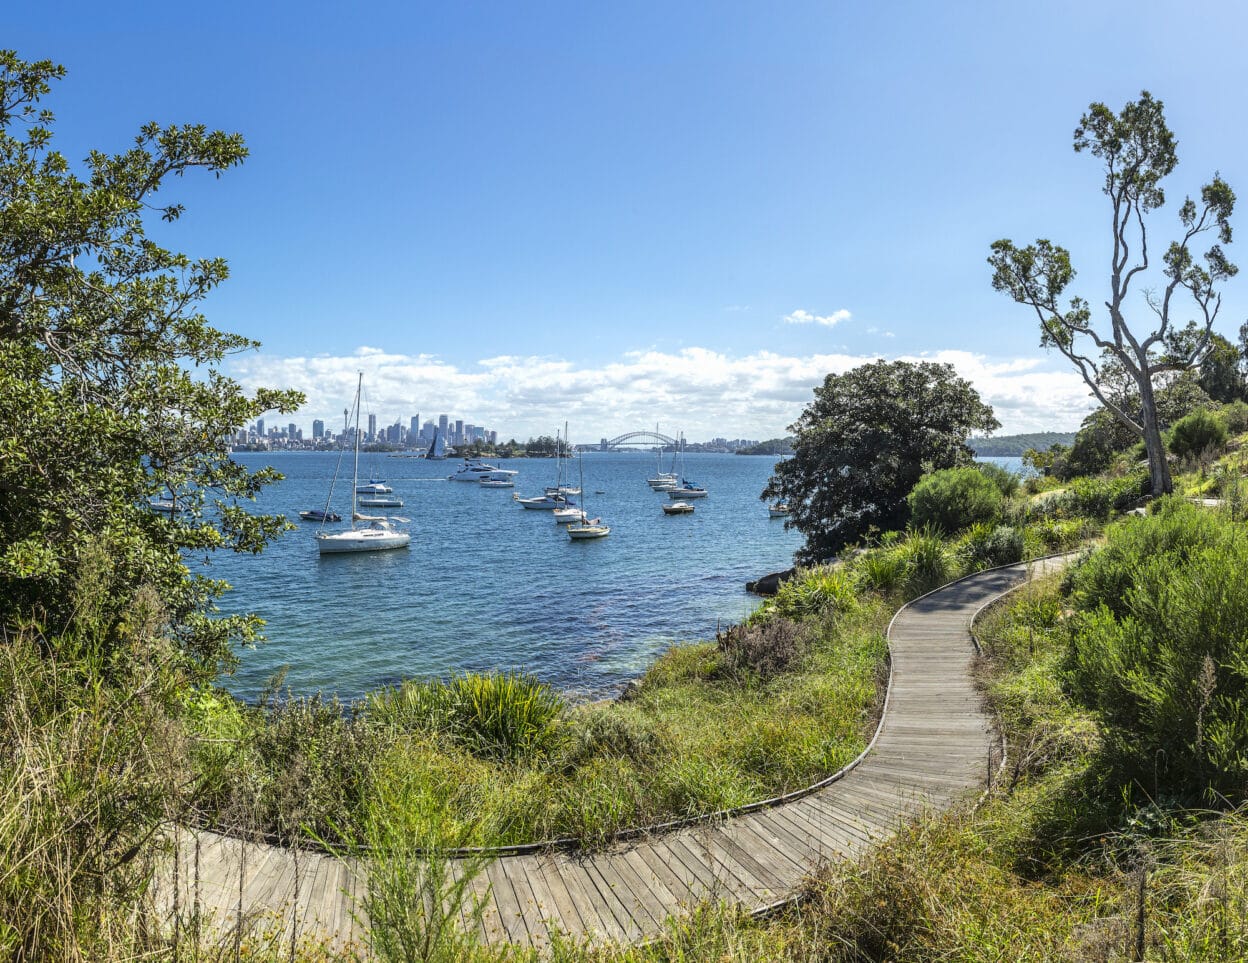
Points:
(1195, 434)
(1161, 654)
(953, 499)
(1097, 497)
(926, 560)
(766, 648)
(497, 715)
(882, 569)
(986, 545)
(817, 591)
(1235, 416)
(1007, 482)
(607, 731)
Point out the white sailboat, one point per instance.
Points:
(662, 479)
(378, 535)
(586, 528)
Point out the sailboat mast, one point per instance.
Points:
(355, 472)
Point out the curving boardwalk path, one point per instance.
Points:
(934, 746)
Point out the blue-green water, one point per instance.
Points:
(487, 584)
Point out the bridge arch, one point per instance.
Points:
(645, 439)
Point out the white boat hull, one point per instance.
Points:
(364, 540)
(683, 493)
(580, 533)
(380, 502)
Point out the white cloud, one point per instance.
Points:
(698, 390)
(801, 316)
(882, 334)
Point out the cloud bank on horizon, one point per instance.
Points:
(701, 392)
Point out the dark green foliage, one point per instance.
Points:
(986, 545)
(498, 715)
(1161, 653)
(1007, 482)
(1202, 432)
(864, 442)
(765, 648)
(1100, 439)
(109, 384)
(1097, 497)
(954, 499)
(1220, 374)
(1235, 415)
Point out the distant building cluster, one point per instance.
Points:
(413, 434)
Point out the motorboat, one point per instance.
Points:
(487, 482)
(569, 514)
(166, 506)
(380, 501)
(378, 535)
(543, 502)
(778, 510)
(317, 515)
(677, 508)
(474, 469)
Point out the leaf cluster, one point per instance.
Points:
(110, 392)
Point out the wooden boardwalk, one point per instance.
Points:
(934, 746)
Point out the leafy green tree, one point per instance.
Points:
(1138, 151)
(1200, 432)
(863, 443)
(1220, 376)
(110, 388)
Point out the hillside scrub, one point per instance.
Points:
(1199, 433)
(1160, 653)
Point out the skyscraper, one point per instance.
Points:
(442, 419)
(318, 429)
(414, 430)
(372, 427)
(459, 431)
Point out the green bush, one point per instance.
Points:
(953, 499)
(926, 559)
(1007, 482)
(1195, 434)
(1097, 497)
(822, 591)
(881, 569)
(1160, 652)
(497, 715)
(1235, 416)
(985, 545)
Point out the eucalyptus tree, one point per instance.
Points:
(110, 384)
(1137, 150)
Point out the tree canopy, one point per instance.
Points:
(110, 387)
(1138, 151)
(863, 443)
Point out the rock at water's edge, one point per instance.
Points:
(770, 584)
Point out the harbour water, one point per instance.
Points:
(487, 584)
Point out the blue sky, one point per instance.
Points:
(628, 213)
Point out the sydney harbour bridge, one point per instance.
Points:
(638, 439)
